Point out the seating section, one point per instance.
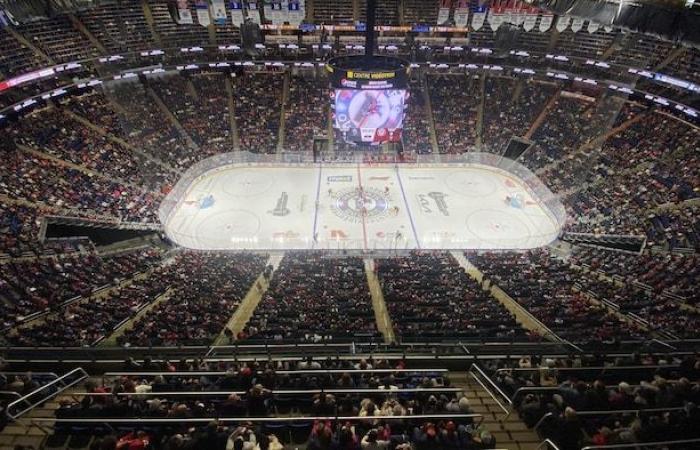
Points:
(59, 39)
(206, 292)
(40, 284)
(200, 105)
(91, 320)
(305, 112)
(510, 108)
(454, 116)
(545, 286)
(15, 57)
(417, 121)
(313, 297)
(431, 296)
(119, 26)
(257, 100)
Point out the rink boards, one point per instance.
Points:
(359, 207)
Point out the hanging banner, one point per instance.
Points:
(236, 13)
(546, 23)
(479, 15)
(593, 27)
(608, 28)
(576, 25)
(462, 14)
(184, 13)
(254, 12)
(296, 11)
(530, 19)
(495, 17)
(218, 12)
(202, 8)
(444, 11)
(563, 23)
(272, 10)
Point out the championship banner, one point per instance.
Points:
(530, 19)
(563, 23)
(608, 28)
(593, 27)
(479, 11)
(444, 11)
(462, 14)
(236, 13)
(202, 7)
(546, 23)
(184, 13)
(254, 12)
(296, 11)
(273, 10)
(495, 18)
(576, 25)
(218, 9)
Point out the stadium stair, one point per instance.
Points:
(148, 15)
(431, 117)
(85, 32)
(232, 116)
(542, 116)
(283, 107)
(245, 310)
(173, 120)
(480, 112)
(522, 316)
(40, 154)
(510, 433)
(381, 314)
(116, 139)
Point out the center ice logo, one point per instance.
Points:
(351, 205)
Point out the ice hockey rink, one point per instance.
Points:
(359, 207)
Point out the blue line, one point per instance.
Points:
(318, 194)
(408, 208)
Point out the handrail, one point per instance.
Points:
(165, 420)
(30, 399)
(492, 383)
(602, 368)
(29, 372)
(643, 444)
(11, 393)
(500, 405)
(273, 392)
(548, 443)
(610, 412)
(276, 372)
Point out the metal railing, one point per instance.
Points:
(636, 412)
(272, 392)
(547, 443)
(695, 443)
(602, 369)
(44, 393)
(475, 368)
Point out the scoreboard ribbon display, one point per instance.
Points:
(369, 98)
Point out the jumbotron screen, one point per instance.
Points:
(371, 116)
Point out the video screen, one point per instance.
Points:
(370, 116)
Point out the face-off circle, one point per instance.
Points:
(351, 204)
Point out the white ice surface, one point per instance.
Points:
(361, 208)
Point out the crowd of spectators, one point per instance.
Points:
(315, 296)
(545, 286)
(46, 182)
(258, 391)
(72, 141)
(510, 108)
(258, 105)
(305, 112)
(206, 289)
(34, 285)
(454, 115)
(90, 320)
(200, 105)
(429, 295)
(417, 121)
(596, 407)
(662, 273)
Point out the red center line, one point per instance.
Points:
(362, 211)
